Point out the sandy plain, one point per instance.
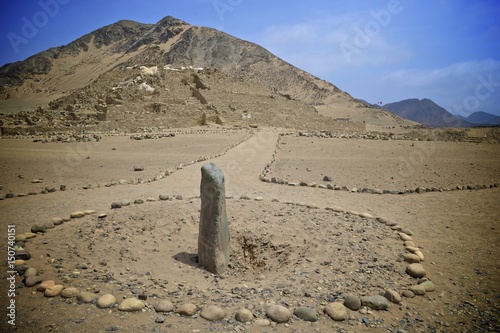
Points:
(287, 248)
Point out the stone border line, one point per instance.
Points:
(275, 314)
(137, 181)
(419, 189)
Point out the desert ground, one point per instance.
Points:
(294, 246)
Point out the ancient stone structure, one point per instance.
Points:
(213, 239)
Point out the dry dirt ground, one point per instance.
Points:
(287, 248)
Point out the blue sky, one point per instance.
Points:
(377, 50)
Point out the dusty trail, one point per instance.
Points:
(241, 165)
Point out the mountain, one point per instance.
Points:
(483, 119)
(78, 76)
(426, 112)
(170, 41)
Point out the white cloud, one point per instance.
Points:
(302, 33)
(465, 72)
(324, 46)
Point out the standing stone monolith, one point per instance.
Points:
(213, 239)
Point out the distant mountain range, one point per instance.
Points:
(482, 118)
(428, 113)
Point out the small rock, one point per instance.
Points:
(29, 235)
(278, 313)
(45, 284)
(21, 269)
(31, 281)
(164, 306)
(375, 302)
(138, 202)
(405, 237)
(421, 190)
(352, 302)
(306, 314)
(53, 291)
(138, 168)
(366, 215)
(102, 215)
(327, 179)
(77, 214)
(86, 297)
(159, 320)
(30, 272)
(393, 296)
(412, 249)
(57, 220)
(418, 290)
(164, 197)
(69, 292)
(337, 311)
(415, 270)
(335, 209)
(408, 294)
(428, 286)
(116, 205)
(407, 231)
(20, 238)
(262, 322)
(150, 199)
(19, 262)
(105, 301)
(36, 228)
(131, 304)
(409, 244)
(186, 309)
(420, 255)
(243, 315)
(390, 223)
(411, 258)
(212, 313)
(89, 212)
(48, 225)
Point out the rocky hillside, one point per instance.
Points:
(64, 71)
